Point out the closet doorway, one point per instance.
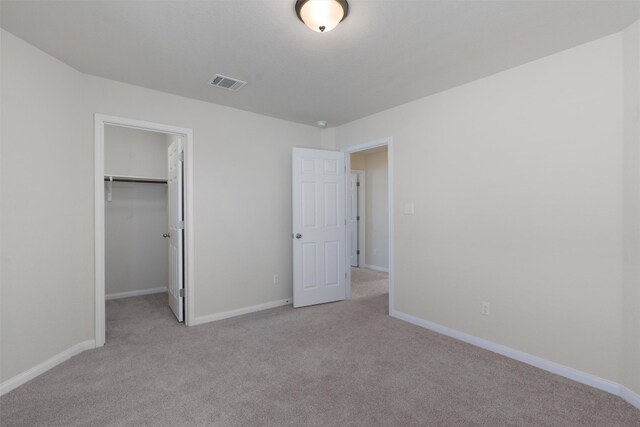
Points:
(143, 214)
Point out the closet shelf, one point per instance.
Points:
(127, 178)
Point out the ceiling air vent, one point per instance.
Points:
(228, 83)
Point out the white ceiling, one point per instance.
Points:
(384, 54)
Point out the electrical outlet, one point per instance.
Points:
(486, 308)
(409, 209)
(276, 279)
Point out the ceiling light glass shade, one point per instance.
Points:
(322, 15)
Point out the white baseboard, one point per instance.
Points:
(137, 293)
(538, 362)
(630, 396)
(240, 311)
(376, 268)
(43, 367)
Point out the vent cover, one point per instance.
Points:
(228, 83)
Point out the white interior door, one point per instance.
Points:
(319, 226)
(353, 186)
(176, 228)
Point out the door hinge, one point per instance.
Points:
(358, 218)
(181, 225)
(358, 252)
(357, 184)
(182, 293)
(181, 156)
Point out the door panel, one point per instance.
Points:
(176, 229)
(319, 199)
(331, 205)
(309, 258)
(331, 261)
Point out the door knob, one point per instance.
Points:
(166, 235)
(298, 236)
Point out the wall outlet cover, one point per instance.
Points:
(486, 308)
(409, 209)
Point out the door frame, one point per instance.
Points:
(100, 120)
(388, 142)
(362, 208)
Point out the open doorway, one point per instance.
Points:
(143, 210)
(323, 221)
(144, 233)
(370, 220)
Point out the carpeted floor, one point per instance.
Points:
(340, 364)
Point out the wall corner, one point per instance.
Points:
(328, 139)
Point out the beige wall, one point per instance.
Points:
(517, 189)
(134, 152)
(631, 214)
(136, 217)
(377, 210)
(47, 198)
(328, 139)
(47, 209)
(358, 161)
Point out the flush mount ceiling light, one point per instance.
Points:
(322, 15)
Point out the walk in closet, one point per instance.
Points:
(136, 212)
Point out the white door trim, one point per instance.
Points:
(100, 120)
(362, 208)
(388, 141)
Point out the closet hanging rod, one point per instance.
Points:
(143, 180)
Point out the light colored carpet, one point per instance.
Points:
(340, 364)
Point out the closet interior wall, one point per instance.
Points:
(136, 215)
